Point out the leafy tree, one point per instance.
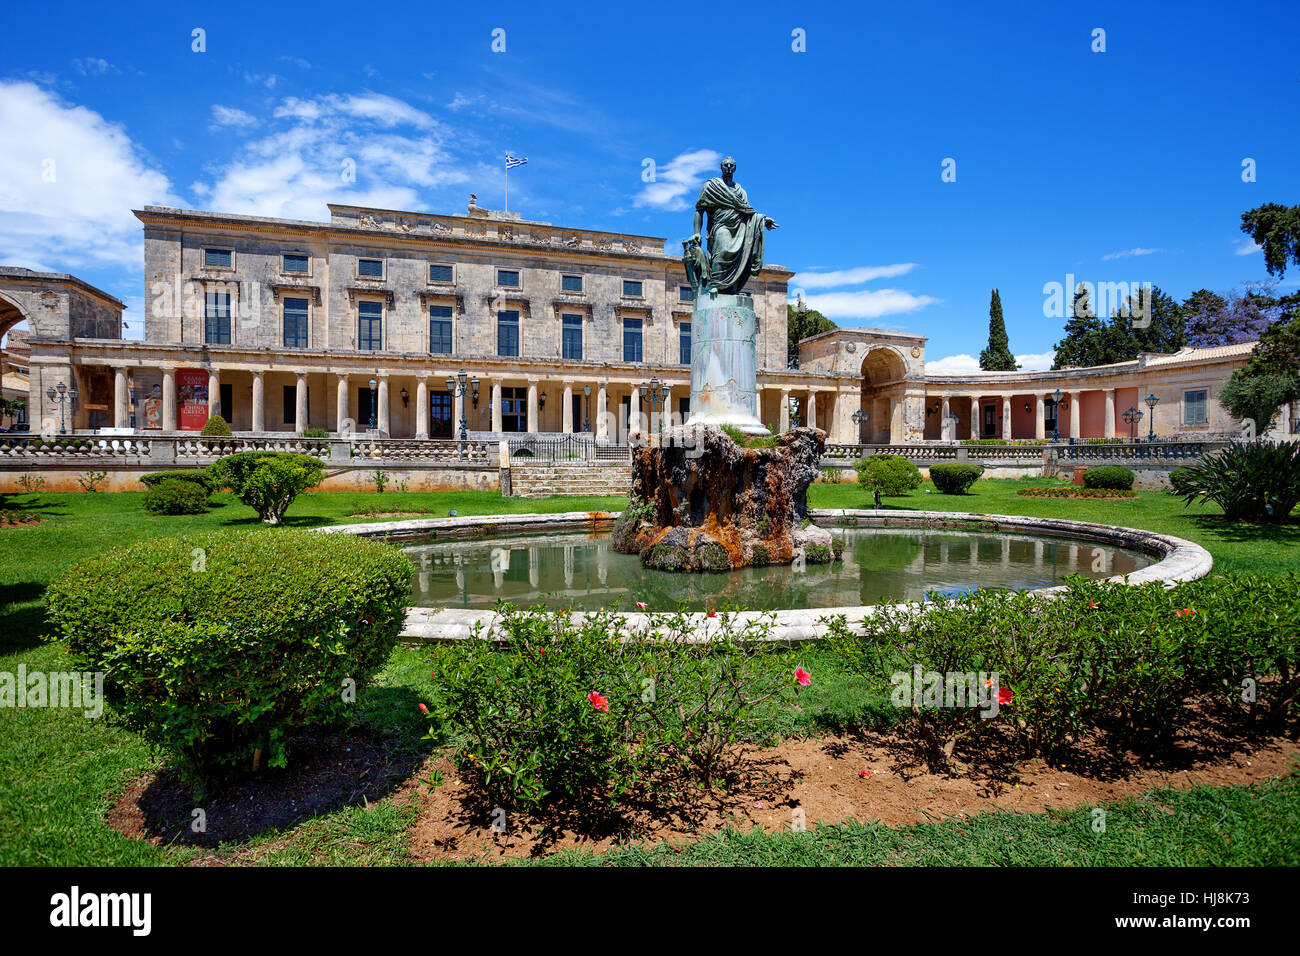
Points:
(997, 357)
(1241, 315)
(267, 481)
(802, 323)
(1083, 343)
(1276, 229)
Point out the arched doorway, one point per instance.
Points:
(883, 372)
(12, 384)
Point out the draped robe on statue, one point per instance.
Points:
(735, 234)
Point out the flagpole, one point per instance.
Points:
(507, 209)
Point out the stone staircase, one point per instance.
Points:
(586, 478)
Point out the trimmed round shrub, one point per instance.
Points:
(176, 496)
(889, 474)
(267, 481)
(215, 427)
(1115, 477)
(218, 646)
(198, 476)
(954, 478)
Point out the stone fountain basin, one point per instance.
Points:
(1179, 560)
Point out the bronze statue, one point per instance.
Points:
(735, 236)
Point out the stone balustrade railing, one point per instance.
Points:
(1065, 452)
(32, 450)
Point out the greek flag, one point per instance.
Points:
(513, 161)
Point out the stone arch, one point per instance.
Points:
(883, 370)
(883, 365)
(11, 313)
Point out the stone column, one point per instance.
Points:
(1040, 412)
(785, 410)
(457, 410)
(1074, 416)
(634, 412)
(533, 410)
(342, 405)
(121, 399)
(602, 429)
(259, 401)
(1109, 428)
(976, 413)
(944, 428)
(382, 418)
(1006, 417)
(566, 412)
(810, 418)
(300, 403)
(496, 404)
(169, 400)
(422, 408)
(214, 392)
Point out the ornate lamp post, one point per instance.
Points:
(458, 386)
(586, 415)
(1131, 418)
(374, 404)
(62, 396)
(656, 394)
(1152, 401)
(859, 418)
(1056, 419)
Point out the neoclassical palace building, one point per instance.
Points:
(368, 320)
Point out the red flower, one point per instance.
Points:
(802, 676)
(640, 605)
(1094, 605)
(1005, 696)
(564, 610)
(1185, 612)
(423, 709)
(712, 614)
(600, 703)
(864, 773)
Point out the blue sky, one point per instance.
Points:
(1123, 165)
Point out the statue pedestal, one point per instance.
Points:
(724, 380)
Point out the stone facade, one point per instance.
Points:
(282, 325)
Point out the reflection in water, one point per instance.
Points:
(580, 571)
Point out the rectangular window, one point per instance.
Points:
(685, 294)
(631, 340)
(370, 326)
(295, 323)
(508, 333)
(508, 277)
(685, 339)
(440, 329)
(370, 268)
(514, 409)
(218, 258)
(440, 423)
(571, 345)
(632, 288)
(1196, 410)
(571, 283)
(440, 273)
(216, 319)
(296, 263)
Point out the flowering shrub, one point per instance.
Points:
(218, 645)
(1117, 659)
(568, 707)
(1071, 491)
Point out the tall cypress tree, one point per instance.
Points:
(997, 357)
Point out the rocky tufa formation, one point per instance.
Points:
(701, 502)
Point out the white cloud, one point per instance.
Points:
(292, 171)
(1246, 247)
(867, 303)
(963, 363)
(678, 179)
(1126, 253)
(231, 116)
(68, 182)
(854, 276)
(94, 66)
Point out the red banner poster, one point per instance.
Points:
(191, 398)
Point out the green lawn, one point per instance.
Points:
(59, 772)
